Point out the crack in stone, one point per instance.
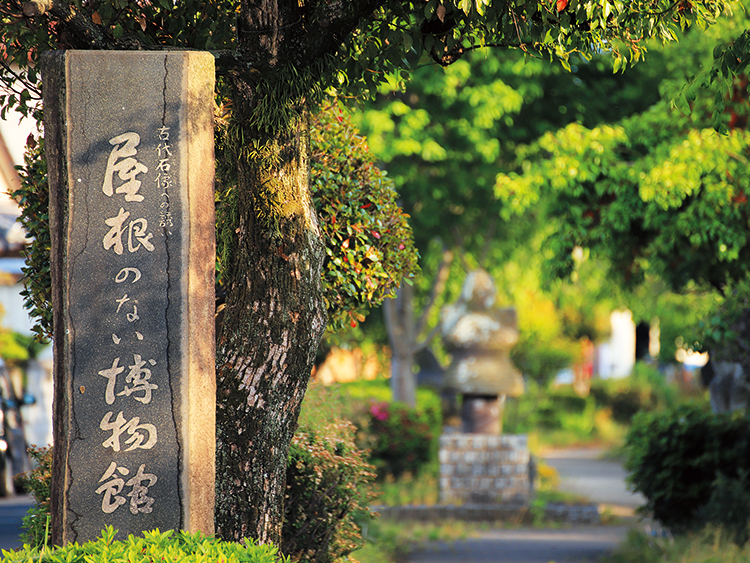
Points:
(174, 387)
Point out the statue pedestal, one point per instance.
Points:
(483, 468)
(481, 414)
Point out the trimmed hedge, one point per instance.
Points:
(686, 461)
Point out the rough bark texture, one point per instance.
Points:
(272, 326)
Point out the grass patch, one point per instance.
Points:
(409, 489)
(712, 545)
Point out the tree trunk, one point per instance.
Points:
(273, 322)
(399, 321)
(403, 330)
(274, 315)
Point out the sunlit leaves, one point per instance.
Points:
(369, 244)
(656, 190)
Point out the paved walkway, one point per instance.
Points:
(12, 510)
(584, 472)
(581, 472)
(571, 545)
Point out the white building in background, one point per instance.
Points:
(616, 358)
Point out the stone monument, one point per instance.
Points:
(480, 336)
(478, 465)
(129, 140)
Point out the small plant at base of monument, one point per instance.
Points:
(37, 482)
(327, 497)
(169, 546)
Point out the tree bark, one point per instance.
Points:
(273, 321)
(399, 322)
(274, 315)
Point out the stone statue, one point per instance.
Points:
(480, 336)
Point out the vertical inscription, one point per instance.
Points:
(132, 226)
(129, 402)
(125, 300)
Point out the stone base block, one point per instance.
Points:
(484, 468)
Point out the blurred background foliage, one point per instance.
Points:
(580, 192)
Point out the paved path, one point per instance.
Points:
(12, 510)
(582, 472)
(571, 545)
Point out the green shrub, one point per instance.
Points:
(677, 458)
(170, 547)
(540, 359)
(644, 390)
(327, 495)
(400, 439)
(37, 482)
(549, 409)
(729, 507)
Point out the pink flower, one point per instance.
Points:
(379, 411)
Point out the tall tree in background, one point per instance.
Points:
(444, 137)
(281, 58)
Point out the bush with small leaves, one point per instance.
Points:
(169, 546)
(686, 463)
(403, 439)
(327, 495)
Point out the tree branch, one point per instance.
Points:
(427, 339)
(35, 8)
(78, 30)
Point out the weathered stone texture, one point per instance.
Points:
(479, 468)
(129, 138)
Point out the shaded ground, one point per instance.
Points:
(581, 472)
(575, 545)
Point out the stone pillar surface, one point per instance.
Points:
(129, 140)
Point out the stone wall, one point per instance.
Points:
(511, 512)
(482, 468)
